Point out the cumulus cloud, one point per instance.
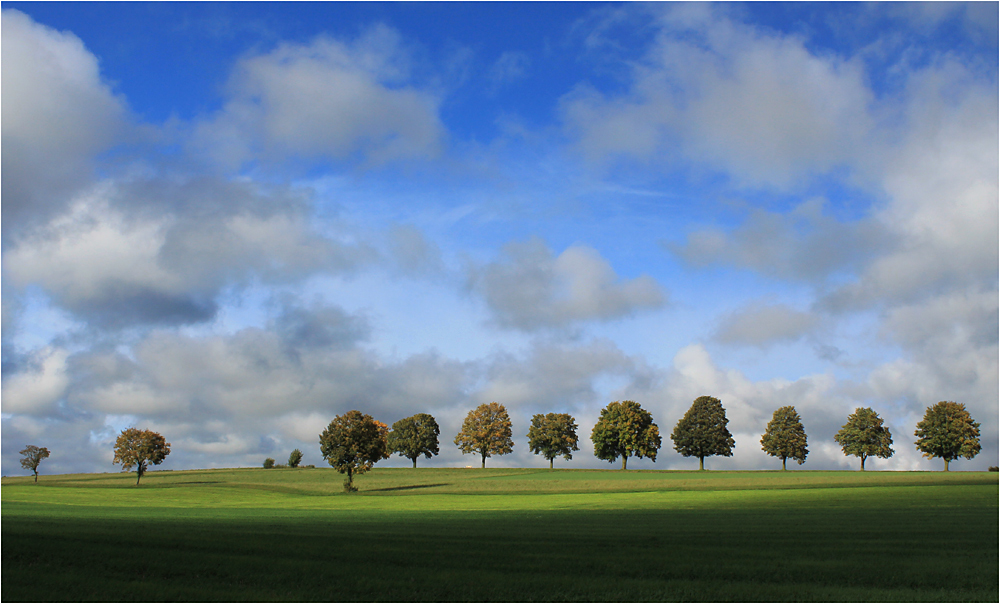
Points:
(530, 289)
(761, 106)
(943, 186)
(325, 99)
(58, 114)
(412, 253)
(38, 387)
(805, 244)
(121, 256)
(762, 324)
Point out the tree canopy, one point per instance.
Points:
(949, 432)
(414, 436)
(785, 436)
(864, 436)
(486, 430)
(31, 456)
(702, 431)
(294, 458)
(139, 448)
(625, 430)
(353, 443)
(552, 435)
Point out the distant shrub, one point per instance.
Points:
(269, 463)
(309, 466)
(295, 458)
(994, 469)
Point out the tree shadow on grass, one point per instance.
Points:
(411, 487)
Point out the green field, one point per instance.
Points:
(502, 535)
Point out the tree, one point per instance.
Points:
(31, 457)
(949, 432)
(785, 436)
(552, 435)
(268, 463)
(139, 448)
(294, 458)
(864, 436)
(486, 430)
(353, 443)
(702, 431)
(414, 436)
(625, 430)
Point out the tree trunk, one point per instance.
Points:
(414, 463)
(862, 463)
(138, 472)
(550, 462)
(484, 460)
(36, 471)
(701, 463)
(945, 468)
(783, 464)
(624, 461)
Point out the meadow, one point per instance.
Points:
(502, 535)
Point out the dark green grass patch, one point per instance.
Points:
(454, 535)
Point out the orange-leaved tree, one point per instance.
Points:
(353, 443)
(139, 448)
(486, 431)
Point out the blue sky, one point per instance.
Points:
(231, 222)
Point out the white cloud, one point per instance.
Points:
(530, 289)
(117, 258)
(762, 324)
(325, 99)
(805, 244)
(761, 106)
(38, 388)
(58, 114)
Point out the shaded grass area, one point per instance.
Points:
(448, 535)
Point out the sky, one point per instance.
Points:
(230, 223)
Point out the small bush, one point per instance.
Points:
(269, 463)
(348, 487)
(994, 469)
(309, 466)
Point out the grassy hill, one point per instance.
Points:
(502, 535)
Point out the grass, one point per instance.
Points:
(502, 535)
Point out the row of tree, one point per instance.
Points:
(354, 441)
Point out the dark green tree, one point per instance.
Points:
(414, 436)
(139, 448)
(353, 443)
(552, 435)
(268, 463)
(486, 430)
(785, 436)
(702, 431)
(949, 432)
(31, 456)
(294, 458)
(864, 436)
(625, 430)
